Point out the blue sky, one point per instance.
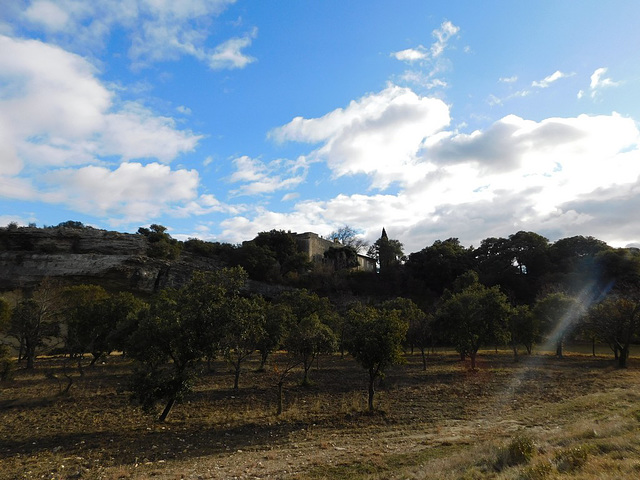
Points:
(220, 119)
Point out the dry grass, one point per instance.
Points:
(582, 415)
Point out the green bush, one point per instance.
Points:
(571, 459)
(519, 451)
(6, 363)
(539, 471)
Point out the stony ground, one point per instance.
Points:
(445, 422)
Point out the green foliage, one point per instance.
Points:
(473, 317)
(242, 329)
(161, 245)
(307, 339)
(279, 319)
(226, 251)
(6, 364)
(524, 327)
(440, 264)
(387, 252)
(342, 257)
(35, 320)
(374, 337)
(557, 315)
(615, 320)
(571, 459)
(518, 451)
(177, 331)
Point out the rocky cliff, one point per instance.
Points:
(114, 260)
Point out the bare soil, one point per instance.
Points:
(445, 422)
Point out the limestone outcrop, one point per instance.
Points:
(85, 255)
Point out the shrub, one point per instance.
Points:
(571, 459)
(519, 451)
(539, 471)
(6, 364)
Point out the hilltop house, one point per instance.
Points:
(315, 246)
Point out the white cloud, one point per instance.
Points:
(264, 178)
(159, 30)
(55, 114)
(443, 34)
(54, 111)
(411, 55)
(511, 79)
(132, 192)
(427, 63)
(378, 135)
(548, 80)
(48, 14)
(598, 82)
(554, 177)
(229, 54)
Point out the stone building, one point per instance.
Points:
(314, 246)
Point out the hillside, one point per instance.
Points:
(117, 261)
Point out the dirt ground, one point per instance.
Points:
(423, 418)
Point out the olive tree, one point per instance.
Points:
(374, 337)
(474, 316)
(616, 320)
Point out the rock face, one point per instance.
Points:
(85, 255)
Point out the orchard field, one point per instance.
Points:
(542, 417)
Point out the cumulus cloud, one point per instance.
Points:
(158, 30)
(555, 176)
(378, 135)
(258, 177)
(131, 193)
(55, 114)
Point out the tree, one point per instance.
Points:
(80, 313)
(523, 329)
(518, 264)
(557, 314)
(440, 264)
(616, 320)
(307, 339)
(348, 237)
(419, 331)
(35, 320)
(342, 257)
(374, 338)
(242, 330)
(474, 316)
(5, 354)
(278, 320)
(161, 245)
(180, 328)
(387, 252)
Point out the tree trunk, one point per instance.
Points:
(280, 384)
(593, 347)
(30, 355)
(424, 359)
(515, 352)
(372, 378)
(263, 360)
(167, 409)
(622, 358)
(236, 377)
(473, 360)
(559, 348)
